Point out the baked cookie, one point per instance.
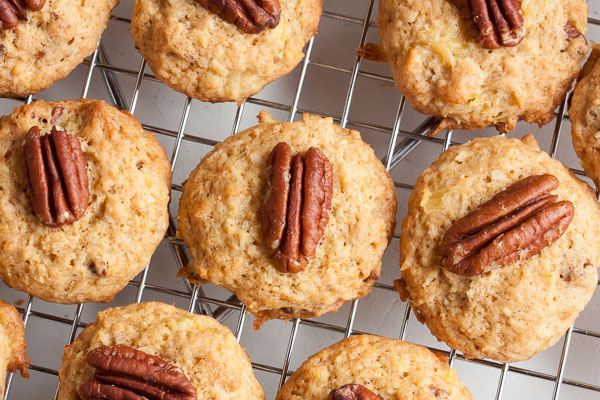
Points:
(186, 354)
(13, 349)
(441, 64)
(52, 41)
(499, 248)
(331, 248)
(374, 367)
(196, 52)
(584, 113)
(77, 225)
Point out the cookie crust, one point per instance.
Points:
(129, 182)
(219, 220)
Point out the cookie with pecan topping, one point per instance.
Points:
(499, 248)
(223, 50)
(367, 367)
(83, 200)
(291, 217)
(156, 351)
(479, 63)
(42, 41)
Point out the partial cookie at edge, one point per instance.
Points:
(205, 351)
(53, 41)
(13, 349)
(445, 73)
(195, 52)
(390, 368)
(584, 114)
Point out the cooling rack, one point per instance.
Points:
(332, 81)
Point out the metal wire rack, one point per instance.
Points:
(401, 143)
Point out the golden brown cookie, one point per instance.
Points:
(13, 349)
(445, 72)
(584, 113)
(221, 218)
(196, 52)
(388, 368)
(49, 44)
(128, 174)
(507, 296)
(200, 348)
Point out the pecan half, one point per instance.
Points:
(290, 258)
(437, 392)
(318, 188)
(493, 23)
(56, 114)
(129, 374)
(516, 223)
(275, 205)
(296, 207)
(57, 180)
(13, 10)
(353, 391)
(250, 16)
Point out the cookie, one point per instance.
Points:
(507, 287)
(388, 368)
(584, 114)
(197, 346)
(222, 212)
(444, 71)
(196, 52)
(126, 216)
(49, 44)
(13, 349)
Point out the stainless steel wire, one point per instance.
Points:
(397, 151)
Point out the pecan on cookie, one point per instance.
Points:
(296, 209)
(516, 223)
(493, 23)
(56, 175)
(250, 16)
(13, 10)
(352, 391)
(126, 373)
(572, 31)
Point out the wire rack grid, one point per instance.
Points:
(401, 143)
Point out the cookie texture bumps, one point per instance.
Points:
(94, 257)
(53, 41)
(13, 349)
(196, 52)
(390, 368)
(444, 72)
(205, 351)
(220, 220)
(510, 313)
(584, 114)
